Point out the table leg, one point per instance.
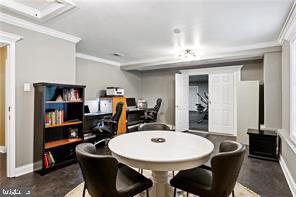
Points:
(161, 187)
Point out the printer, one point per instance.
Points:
(114, 91)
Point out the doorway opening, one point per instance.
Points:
(199, 102)
(220, 101)
(3, 126)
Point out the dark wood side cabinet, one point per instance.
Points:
(58, 124)
(263, 144)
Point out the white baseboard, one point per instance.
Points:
(2, 149)
(289, 178)
(25, 169)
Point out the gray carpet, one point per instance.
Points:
(193, 122)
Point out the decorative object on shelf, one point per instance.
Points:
(142, 104)
(60, 98)
(73, 132)
(71, 95)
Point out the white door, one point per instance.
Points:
(247, 109)
(182, 102)
(221, 103)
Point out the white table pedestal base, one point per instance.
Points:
(161, 186)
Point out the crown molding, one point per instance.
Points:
(289, 27)
(244, 52)
(5, 18)
(97, 59)
(9, 36)
(45, 13)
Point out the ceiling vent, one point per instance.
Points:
(40, 10)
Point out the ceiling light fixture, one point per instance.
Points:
(187, 54)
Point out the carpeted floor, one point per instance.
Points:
(193, 122)
(240, 190)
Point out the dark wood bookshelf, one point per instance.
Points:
(63, 102)
(62, 142)
(58, 109)
(63, 124)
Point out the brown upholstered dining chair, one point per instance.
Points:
(104, 176)
(218, 180)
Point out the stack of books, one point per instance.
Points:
(48, 160)
(54, 117)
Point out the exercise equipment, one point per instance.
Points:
(203, 110)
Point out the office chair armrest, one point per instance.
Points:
(149, 109)
(111, 121)
(151, 112)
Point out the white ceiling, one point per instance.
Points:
(143, 29)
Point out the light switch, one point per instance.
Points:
(27, 87)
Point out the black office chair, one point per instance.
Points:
(104, 176)
(107, 127)
(218, 180)
(151, 113)
(153, 126)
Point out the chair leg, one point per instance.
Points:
(84, 189)
(175, 191)
(187, 194)
(173, 173)
(232, 193)
(147, 193)
(142, 171)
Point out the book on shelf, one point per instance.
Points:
(48, 160)
(51, 158)
(45, 161)
(55, 117)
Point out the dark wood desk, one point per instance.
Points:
(135, 116)
(90, 121)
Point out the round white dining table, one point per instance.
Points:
(160, 152)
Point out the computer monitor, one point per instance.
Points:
(93, 106)
(131, 102)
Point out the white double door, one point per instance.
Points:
(221, 102)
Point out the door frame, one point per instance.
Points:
(236, 70)
(10, 140)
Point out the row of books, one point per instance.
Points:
(48, 160)
(71, 95)
(54, 117)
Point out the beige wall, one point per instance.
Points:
(97, 76)
(273, 90)
(2, 95)
(286, 86)
(161, 84)
(288, 153)
(253, 71)
(38, 58)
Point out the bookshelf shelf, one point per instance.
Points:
(54, 122)
(63, 124)
(61, 102)
(62, 142)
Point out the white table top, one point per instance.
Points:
(178, 146)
